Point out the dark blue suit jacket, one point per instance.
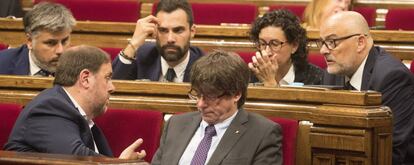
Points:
(148, 64)
(385, 74)
(50, 123)
(15, 61)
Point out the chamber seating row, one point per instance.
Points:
(330, 129)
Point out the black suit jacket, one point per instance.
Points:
(148, 64)
(50, 123)
(385, 74)
(15, 61)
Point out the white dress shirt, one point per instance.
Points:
(356, 79)
(198, 136)
(33, 67)
(289, 78)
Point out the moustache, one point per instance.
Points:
(171, 46)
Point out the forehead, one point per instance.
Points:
(332, 28)
(105, 69)
(175, 18)
(46, 35)
(272, 33)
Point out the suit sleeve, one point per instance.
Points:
(54, 133)
(157, 158)
(270, 149)
(397, 90)
(124, 71)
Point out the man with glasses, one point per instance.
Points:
(351, 56)
(220, 132)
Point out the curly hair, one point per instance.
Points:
(294, 33)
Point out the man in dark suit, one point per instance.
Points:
(347, 45)
(47, 27)
(59, 119)
(220, 132)
(171, 57)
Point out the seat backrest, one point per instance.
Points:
(289, 133)
(8, 116)
(217, 13)
(102, 10)
(317, 59)
(398, 19)
(369, 13)
(295, 9)
(412, 66)
(122, 127)
(3, 46)
(113, 52)
(246, 56)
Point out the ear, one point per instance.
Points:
(29, 41)
(193, 30)
(84, 78)
(362, 43)
(294, 47)
(237, 97)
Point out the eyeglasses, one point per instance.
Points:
(274, 45)
(194, 95)
(332, 43)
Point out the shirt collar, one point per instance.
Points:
(33, 67)
(289, 77)
(222, 126)
(81, 111)
(356, 79)
(178, 69)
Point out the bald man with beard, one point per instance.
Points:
(357, 64)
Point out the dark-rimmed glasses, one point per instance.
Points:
(332, 43)
(194, 95)
(274, 45)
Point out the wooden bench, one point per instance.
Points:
(336, 126)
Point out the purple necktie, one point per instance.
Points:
(200, 155)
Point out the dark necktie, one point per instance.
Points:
(170, 74)
(200, 155)
(348, 86)
(43, 73)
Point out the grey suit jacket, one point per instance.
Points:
(250, 139)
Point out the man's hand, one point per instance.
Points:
(265, 68)
(129, 152)
(144, 27)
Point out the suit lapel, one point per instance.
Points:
(230, 137)
(188, 67)
(156, 69)
(100, 140)
(22, 63)
(187, 132)
(368, 68)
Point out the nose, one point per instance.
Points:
(111, 87)
(59, 48)
(324, 50)
(201, 103)
(343, 5)
(171, 38)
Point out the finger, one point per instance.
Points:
(135, 145)
(141, 154)
(253, 69)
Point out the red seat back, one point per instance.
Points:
(215, 14)
(295, 9)
(412, 66)
(399, 19)
(317, 59)
(112, 51)
(8, 116)
(102, 10)
(3, 46)
(369, 14)
(122, 127)
(246, 56)
(289, 131)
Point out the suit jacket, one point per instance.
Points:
(387, 75)
(148, 64)
(50, 123)
(15, 61)
(258, 140)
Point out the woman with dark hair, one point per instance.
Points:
(281, 56)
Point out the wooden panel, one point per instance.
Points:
(339, 139)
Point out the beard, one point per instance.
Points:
(172, 53)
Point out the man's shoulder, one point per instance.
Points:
(260, 120)
(13, 53)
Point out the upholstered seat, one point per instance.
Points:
(399, 19)
(8, 116)
(289, 132)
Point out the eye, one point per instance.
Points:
(178, 30)
(51, 42)
(275, 43)
(162, 30)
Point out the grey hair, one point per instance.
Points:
(51, 17)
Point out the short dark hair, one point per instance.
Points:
(52, 17)
(172, 5)
(294, 33)
(221, 72)
(75, 59)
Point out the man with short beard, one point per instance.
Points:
(172, 27)
(47, 27)
(60, 119)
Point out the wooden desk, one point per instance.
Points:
(26, 158)
(337, 126)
